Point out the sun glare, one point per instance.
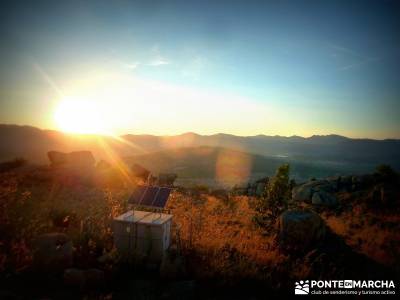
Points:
(75, 115)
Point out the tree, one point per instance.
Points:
(278, 190)
(276, 197)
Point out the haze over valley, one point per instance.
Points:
(196, 158)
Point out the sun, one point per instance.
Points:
(74, 115)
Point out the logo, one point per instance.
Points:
(302, 287)
(345, 287)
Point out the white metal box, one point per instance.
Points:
(142, 233)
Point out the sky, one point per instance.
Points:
(168, 67)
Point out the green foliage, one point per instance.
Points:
(276, 196)
(278, 190)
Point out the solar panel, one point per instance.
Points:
(162, 197)
(149, 196)
(152, 196)
(137, 195)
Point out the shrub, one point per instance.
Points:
(276, 197)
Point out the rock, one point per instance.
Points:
(140, 172)
(306, 191)
(77, 159)
(322, 198)
(302, 193)
(300, 230)
(326, 186)
(52, 252)
(167, 179)
(334, 182)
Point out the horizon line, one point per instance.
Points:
(198, 134)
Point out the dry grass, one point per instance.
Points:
(217, 236)
(223, 236)
(372, 232)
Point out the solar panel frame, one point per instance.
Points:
(150, 196)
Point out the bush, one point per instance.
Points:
(276, 197)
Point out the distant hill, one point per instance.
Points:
(332, 152)
(329, 148)
(226, 166)
(33, 144)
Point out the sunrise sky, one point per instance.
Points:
(168, 67)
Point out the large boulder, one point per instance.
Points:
(300, 230)
(302, 193)
(318, 192)
(140, 172)
(77, 159)
(52, 252)
(167, 179)
(322, 198)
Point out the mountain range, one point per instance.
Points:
(194, 155)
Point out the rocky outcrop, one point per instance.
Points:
(140, 172)
(303, 193)
(300, 231)
(255, 189)
(317, 192)
(322, 198)
(322, 192)
(259, 186)
(77, 159)
(167, 179)
(53, 252)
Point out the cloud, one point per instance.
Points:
(358, 64)
(132, 66)
(159, 61)
(348, 51)
(358, 58)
